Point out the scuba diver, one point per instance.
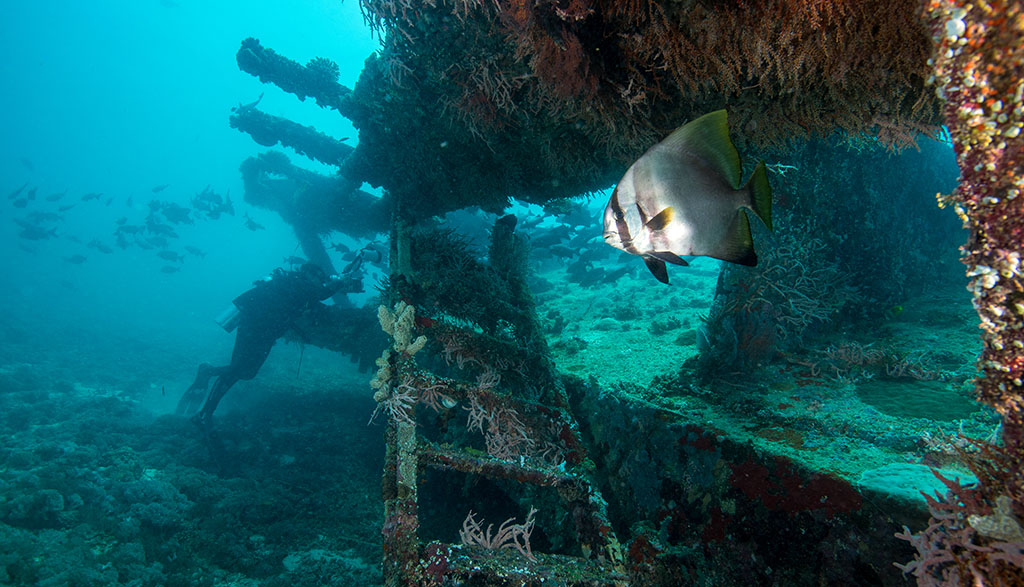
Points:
(264, 314)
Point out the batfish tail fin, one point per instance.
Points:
(761, 194)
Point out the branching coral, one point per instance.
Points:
(509, 535)
(396, 400)
(960, 547)
(323, 69)
(851, 361)
(758, 311)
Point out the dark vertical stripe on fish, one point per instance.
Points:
(620, 222)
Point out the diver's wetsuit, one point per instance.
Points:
(266, 312)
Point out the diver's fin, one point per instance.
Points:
(669, 257)
(761, 194)
(738, 246)
(708, 136)
(657, 267)
(661, 220)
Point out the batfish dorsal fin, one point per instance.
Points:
(708, 137)
(669, 257)
(658, 268)
(661, 220)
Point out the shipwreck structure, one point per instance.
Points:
(471, 103)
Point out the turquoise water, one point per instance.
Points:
(97, 485)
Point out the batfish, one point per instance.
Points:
(683, 198)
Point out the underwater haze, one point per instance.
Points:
(121, 98)
(106, 107)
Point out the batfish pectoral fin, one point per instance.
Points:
(657, 268)
(662, 219)
(669, 257)
(738, 246)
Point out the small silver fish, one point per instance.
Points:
(683, 197)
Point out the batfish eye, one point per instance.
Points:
(618, 215)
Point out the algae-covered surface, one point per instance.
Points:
(880, 425)
(632, 329)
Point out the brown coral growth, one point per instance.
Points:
(567, 93)
(978, 69)
(855, 66)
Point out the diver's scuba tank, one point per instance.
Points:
(228, 319)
